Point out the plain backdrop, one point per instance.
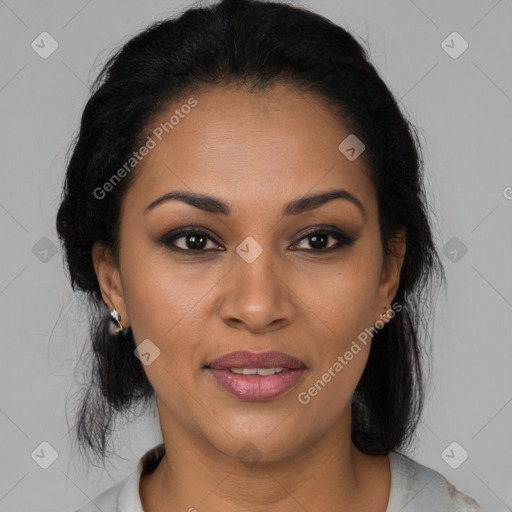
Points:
(462, 105)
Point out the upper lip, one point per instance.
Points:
(246, 359)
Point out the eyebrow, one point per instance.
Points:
(214, 205)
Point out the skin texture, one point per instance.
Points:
(256, 152)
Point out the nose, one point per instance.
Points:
(257, 298)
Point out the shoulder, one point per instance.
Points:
(418, 488)
(125, 495)
(107, 501)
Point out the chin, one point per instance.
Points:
(257, 446)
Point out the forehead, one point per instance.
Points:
(248, 148)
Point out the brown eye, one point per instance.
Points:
(319, 240)
(190, 240)
(197, 241)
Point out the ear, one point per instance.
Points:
(109, 280)
(390, 275)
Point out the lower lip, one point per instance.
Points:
(256, 387)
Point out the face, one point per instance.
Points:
(253, 274)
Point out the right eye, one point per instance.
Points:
(191, 240)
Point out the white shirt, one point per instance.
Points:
(414, 488)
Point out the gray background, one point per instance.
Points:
(463, 107)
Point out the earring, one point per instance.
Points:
(117, 326)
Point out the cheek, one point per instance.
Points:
(170, 305)
(342, 301)
(345, 303)
(161, 296)
(356, 286)
(326, 396)
(166, 305)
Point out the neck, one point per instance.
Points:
(328, 474)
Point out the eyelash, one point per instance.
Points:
(342, 240)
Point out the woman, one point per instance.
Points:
(244, 205)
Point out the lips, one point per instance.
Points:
(246, 359)
(261, 385)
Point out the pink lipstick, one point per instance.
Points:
(256, 376)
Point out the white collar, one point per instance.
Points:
(129, 496)
(412, 484)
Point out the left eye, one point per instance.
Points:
(318, 240)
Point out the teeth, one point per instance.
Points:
(259, 371)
